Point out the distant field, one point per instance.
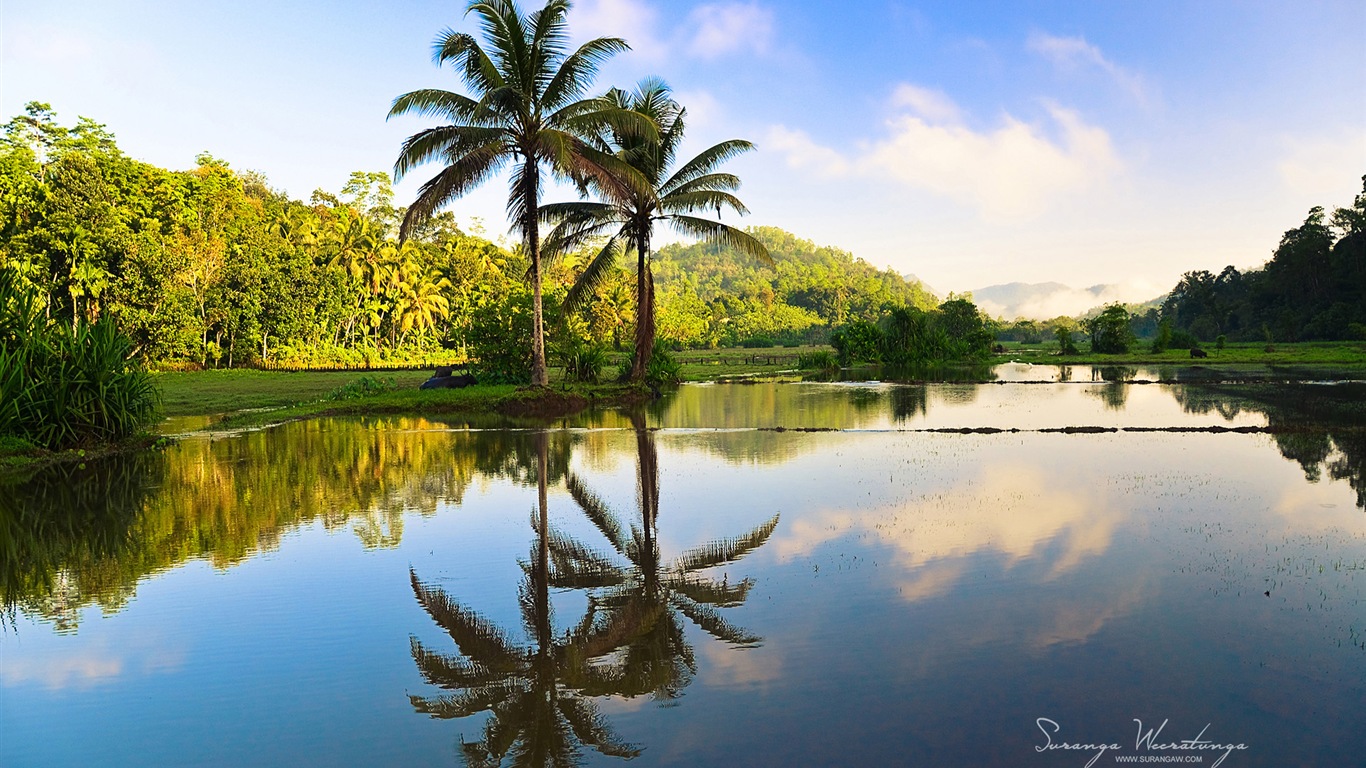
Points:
(211, 392)
(1337, 353)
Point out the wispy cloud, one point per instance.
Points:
(1075, 53)
(1013, 171)
(631, 20)
(728, 28)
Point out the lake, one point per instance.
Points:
(1025, 573)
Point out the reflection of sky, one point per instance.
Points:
(924, 596)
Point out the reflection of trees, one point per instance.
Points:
(1115, 393)
(539, 713)
(74, 538)
(647, 594)
(1321, 428)
(70, 536)
(909, 401)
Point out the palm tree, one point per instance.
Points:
(694, 187)
(526, 111)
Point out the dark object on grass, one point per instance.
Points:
(448, 381)
(999, 349)
(1198, 352)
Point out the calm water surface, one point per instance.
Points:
(703, 583)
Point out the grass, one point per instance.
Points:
(207, 392)
(1342, 354)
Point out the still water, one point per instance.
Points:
(767, 574)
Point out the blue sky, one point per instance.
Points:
(967, 143)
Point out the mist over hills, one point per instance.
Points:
(1042, 301)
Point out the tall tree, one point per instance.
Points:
(526, 111)
(696, 186)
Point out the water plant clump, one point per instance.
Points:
(64, 384)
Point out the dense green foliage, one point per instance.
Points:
(1110, 332)
(65, 383)
(955, 331)
(713, 295)
(1313, 288)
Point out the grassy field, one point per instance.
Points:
(1342, 354)
(206, 392)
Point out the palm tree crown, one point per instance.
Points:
(627, 216)
(525, 110)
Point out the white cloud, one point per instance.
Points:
(932, 105)
(726, 28)
(804, 154)
(1073, 53)
(631, 20)
(1014, 171)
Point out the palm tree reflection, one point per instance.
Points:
(630, 641)
(538, 715)
(639, 605)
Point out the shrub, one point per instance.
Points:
(499, 340)
(583, 362)
(662, 369)
(758, 342)
(63, 385)
(362, 387)
(858, 341)
(820, 360)
(1163, 340)
(1066, 345)
(1110, 332)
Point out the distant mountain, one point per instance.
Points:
(1042, 301)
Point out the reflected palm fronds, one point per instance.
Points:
(537, 695)
(646, 593)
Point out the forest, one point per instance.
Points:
(211, 267)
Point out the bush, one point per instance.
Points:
(63, 385)
(1110, 332)
(858, 341)
(820, 360)
(662, 369)
(583, 362)
(1066, 345)
(758, 342)
(1163, 340)
(362, 387)
(499, 341)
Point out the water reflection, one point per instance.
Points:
(629, 642)
(539, 714)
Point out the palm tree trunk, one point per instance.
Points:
(531, 231)
(645, 311)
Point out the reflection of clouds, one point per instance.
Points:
(1010, 510)
(56, 668)
(729, 667)
(1075, 621)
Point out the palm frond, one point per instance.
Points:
(711, 182)
(723, 235)
(725, 550)
(446, 671)
(475, 636)
(442, 142)
(711, 592)
(590, 728)
(435, 102)
(597, 512)
(597, 271)
(702, 200)
(464, 704)
(705, 162)
(709, 621)
(578, 70)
